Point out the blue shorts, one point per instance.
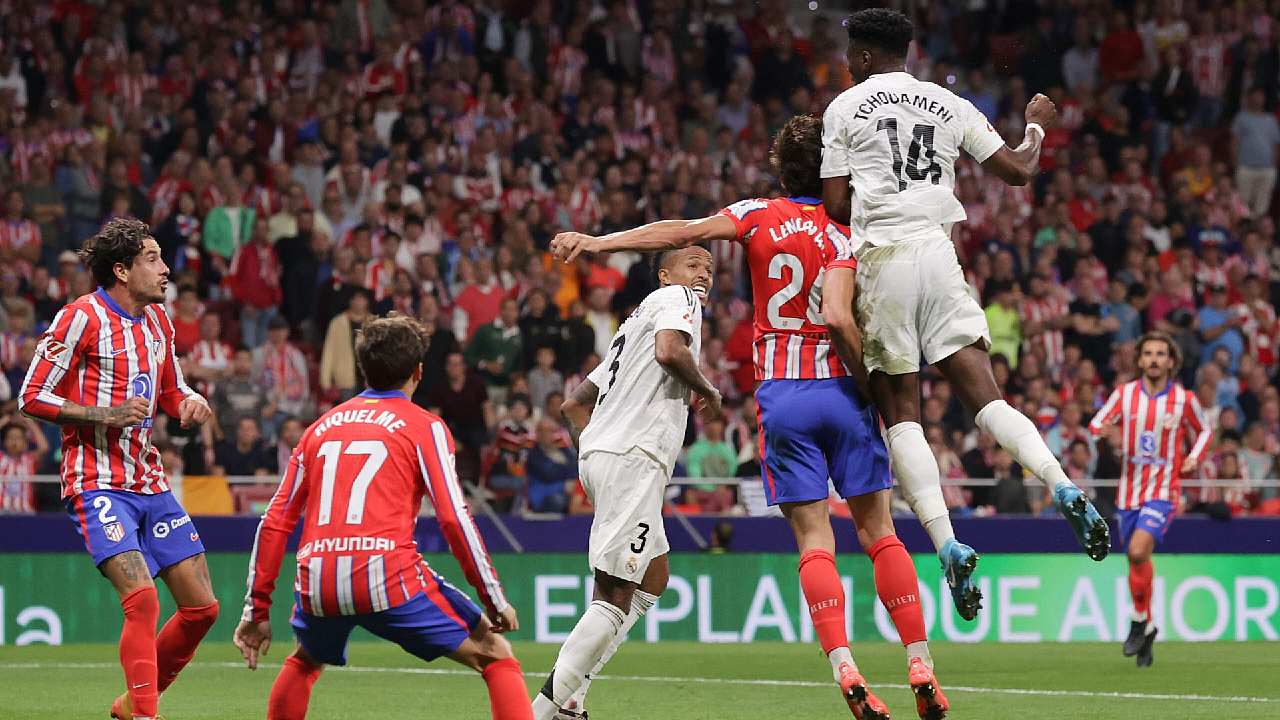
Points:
(114, 521)
(815, 429)
(1154, 516)
(429, 625)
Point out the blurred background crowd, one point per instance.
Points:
(307, 165)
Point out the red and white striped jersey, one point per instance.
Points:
(18, 234)
(1154, 430)
(15, 496)
(164, 194)
(10, 344)
(790, 244)
(567, 63)
(1040, 310)
(61, 138)
(21, 156)
(357, 480)
(130, 88)
(214, 355)
(1261, 331)
(96, 354)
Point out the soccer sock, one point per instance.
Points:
(1018, 435)
(508, 696)
(178, 639)
(824, 595)
(917, 473)
(580, 653)
(641, 601)
(138, 649)
(1140, 587)
(898, 588)
(291, 691)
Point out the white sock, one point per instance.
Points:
(1018, 435)
(917, 472)
(920, 649)
(579, 654)
(641, 601)
(841, 656)
(1138, 617)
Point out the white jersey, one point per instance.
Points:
(898, 139)
(640, 404)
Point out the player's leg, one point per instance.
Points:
(969, 371)
(111, 523)
(185, 572)
(489, 654)
(644, 597)
(899, 591)
(1141, 545)
(291, 692)
(898, 399)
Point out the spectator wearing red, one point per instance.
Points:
(255, 284)
(1121, 50)
(477, 303)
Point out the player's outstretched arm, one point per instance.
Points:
(127, 414)
(1017, 166)
(661, 235)
(838, 290)
(671, 350)
(577, 409)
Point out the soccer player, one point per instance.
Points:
(358, 476)
(1151, 418)
(890, 144)
(628, 418)
(814, 421)
(100, 370)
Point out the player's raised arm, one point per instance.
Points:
(661, 235)
(577, 409)
(459, 528)
(1017, 166)
(59, 349)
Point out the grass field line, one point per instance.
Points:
(713, 681)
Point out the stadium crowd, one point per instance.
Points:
(306, 166)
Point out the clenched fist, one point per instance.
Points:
(1041, 111)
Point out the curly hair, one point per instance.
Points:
(389, 350)
(797, 154)
(120, 241)
(886, 30)
(1175, 352)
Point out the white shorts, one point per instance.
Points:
(627, 531)
(913, 300)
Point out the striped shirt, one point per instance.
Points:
(96, 354)
(357, 480)
(1042, 310)
(790, 244)
(16, 496)
(1154, 432)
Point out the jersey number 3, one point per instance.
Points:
(618, 344)
(376, 454)
(921, 137)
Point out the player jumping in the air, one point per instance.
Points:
(1151, 419)
(100, 370)
(359, 475)
(814, 421)
(628, 418)
(890, 144)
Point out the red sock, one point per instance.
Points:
(824, 595)
(508, 695)
(138, 649)
(1140, 586)
(178, 639)
(898, 588)
(292, 690)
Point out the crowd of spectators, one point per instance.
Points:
(308, 165)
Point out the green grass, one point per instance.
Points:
(212, 688)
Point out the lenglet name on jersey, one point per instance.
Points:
(386, 419)
(793, 225)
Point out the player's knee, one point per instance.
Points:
(493, 648)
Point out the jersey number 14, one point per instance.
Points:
(921, 137)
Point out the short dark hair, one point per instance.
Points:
(119, 242)
(390, 349)
(797, 154)
(10, 427)
(886, 30)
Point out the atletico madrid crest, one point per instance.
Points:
(114, 531)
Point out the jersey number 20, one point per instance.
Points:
(921, 136)
(774, 308)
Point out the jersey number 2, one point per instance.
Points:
(774, 309)
(921, 137)
(376, 454)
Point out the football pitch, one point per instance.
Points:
(680, 680)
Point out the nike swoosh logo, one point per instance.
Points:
(117, 352)
(135, 687)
